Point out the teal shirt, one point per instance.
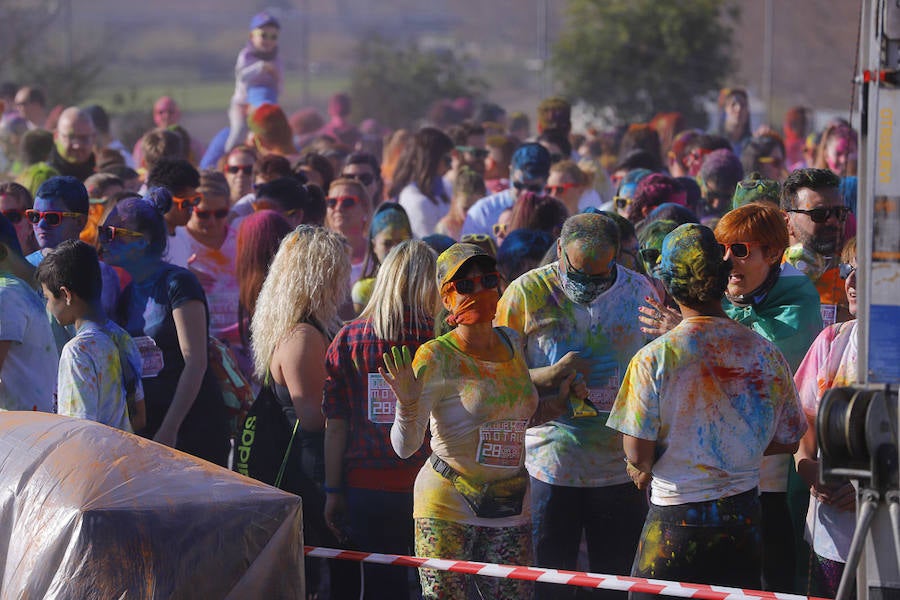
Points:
(789, 315)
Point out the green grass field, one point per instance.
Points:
(206, 96)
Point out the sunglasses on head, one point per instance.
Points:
(363, 178)
(559, 189)
(341, 202)
(235, 169)
(820, 215)
(845, 270)
(530, 187)
(108, 233)
(622, 202)
(13, 215)
(205, 214)
(738, 249)
(650, 256)
(187, 202)
(466, 285)
(479, 153)
(586, 278)
(51, 217)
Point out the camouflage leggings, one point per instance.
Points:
(446, 539)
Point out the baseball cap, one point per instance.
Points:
(755, 188)
(257, 95)
(453, 258)
(533, 160)
(262, 19)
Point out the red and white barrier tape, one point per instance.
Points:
(591, 580)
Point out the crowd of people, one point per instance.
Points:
(490, 344)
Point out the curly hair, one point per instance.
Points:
(692, 267)
(308, 280)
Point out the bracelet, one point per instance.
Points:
(635, 467)
(333, 490)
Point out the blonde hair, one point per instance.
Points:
(405, 281)
(308, 280)
(571, 171)
(359, 189)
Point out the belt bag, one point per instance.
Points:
(490, 500)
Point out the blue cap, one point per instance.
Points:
(257, 95)
(533, 160)
(630, 182)
(262, 19)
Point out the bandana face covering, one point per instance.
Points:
(584, 289)
(469, 309)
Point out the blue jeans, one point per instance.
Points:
(611, 518)
(382, 522)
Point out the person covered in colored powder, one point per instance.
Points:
(100, 368)
(572, 316)
(472, 387)
(699, 407)
(831, 520)
(365, 481)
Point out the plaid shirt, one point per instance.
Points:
(353, 355)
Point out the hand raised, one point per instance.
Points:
(401, 378)
(658, 318)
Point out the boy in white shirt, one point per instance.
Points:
(100, 368)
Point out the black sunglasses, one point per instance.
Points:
(649, 255)
(845, 270)
(14, 216)
(531, 187)
(235, 169)
(820, 215)
(585, 278)
(467, 285)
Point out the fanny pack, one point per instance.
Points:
(491, 500)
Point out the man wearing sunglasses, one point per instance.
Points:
(468, 151)
(364, 168)
(28, 356)
(816, 217)
(528, 172)
(575, 315)
(182, 180)
(60, 212)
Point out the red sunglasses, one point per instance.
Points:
(51, 217)
(556, 190)
(341, 202)
(189, 202)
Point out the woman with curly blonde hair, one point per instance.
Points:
(296, 317)
(294, 322)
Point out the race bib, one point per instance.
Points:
(604, 397)
(829, 314)
(151, 356)
(382, 401)
(501, 443)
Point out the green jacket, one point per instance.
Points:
(789, 315)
